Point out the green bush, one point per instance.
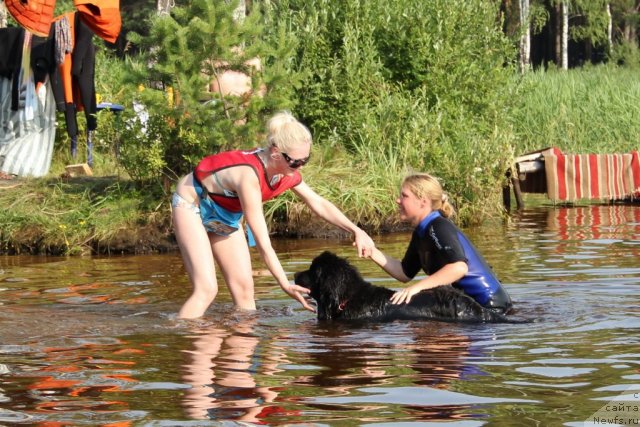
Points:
(627, 54)
(405, 85)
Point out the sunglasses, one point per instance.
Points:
(295, 163)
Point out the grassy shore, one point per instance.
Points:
(595, 110)
(111, 214)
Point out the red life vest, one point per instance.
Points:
(216, 162)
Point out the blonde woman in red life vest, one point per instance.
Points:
(209, 203)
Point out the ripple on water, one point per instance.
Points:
(458, 423)
(548, 385)
(554, 372)
(8, 416)
(619, 387)
(419, 396)
(545, 350)
(631, 397)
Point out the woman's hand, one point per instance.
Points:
(298, 292)
(363, 243)
(404, 296)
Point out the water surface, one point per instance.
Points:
(95, 341)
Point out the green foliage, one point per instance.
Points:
(626, 54)
(136, 16)
(588, 19)
(63, 6)
(400, 86)
(592, 23)
(538, 16)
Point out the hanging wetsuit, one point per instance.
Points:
(73, 81)
(436, 242)
(42, 59)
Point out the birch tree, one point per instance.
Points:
(628, 11)
(164, 6)
(564, 35)
(609, 27)
(525, 37)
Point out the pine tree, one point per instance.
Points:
(185, 53)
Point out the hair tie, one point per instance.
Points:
(444, 198)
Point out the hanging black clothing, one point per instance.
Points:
(82, 79)
(42, 59)
(11, 41)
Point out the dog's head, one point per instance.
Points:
(331, 280)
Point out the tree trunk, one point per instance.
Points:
(164, 6)
(629, 30)
(564, 63)
(609, 27)
(558, 33)
(525, 37)
(240, 12)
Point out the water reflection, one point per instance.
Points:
(594, 222)
(80, 376)
(221, 369)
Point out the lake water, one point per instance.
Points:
(94, 340)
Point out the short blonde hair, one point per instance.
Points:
(427, 187)
(285, 132)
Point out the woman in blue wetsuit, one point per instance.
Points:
(439, 248)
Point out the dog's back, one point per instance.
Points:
(441, 303)
(342, 294)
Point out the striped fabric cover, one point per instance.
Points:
(591, 176)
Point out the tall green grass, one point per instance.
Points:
(588, 110)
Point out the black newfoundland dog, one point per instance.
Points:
(341, 293)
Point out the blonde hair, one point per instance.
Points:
(285, 132)
(427, 187)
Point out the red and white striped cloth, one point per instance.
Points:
(591, 176)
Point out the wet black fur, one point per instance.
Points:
(333, 281)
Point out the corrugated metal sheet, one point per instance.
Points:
(26, 145)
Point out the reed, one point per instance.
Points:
(588, 110)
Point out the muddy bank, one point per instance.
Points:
(158, 238)
(106, 215)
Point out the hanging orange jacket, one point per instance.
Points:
(103, 17)
(65, 67)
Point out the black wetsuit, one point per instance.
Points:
(436, 242)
